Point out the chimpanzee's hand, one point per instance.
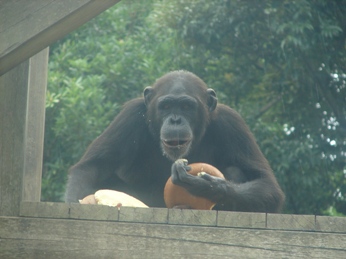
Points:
(203, 185)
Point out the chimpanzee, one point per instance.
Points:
(178, 117)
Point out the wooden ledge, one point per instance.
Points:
(32, 237)
(60, 230)
(184, 217)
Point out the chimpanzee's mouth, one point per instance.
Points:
(176, 143)
(175, 148)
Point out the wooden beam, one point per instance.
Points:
(22, 110)
(70, 238)
(34, 127)
(28, 26)
(209, 218)
(13, 101)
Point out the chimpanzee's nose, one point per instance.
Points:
(175, 119)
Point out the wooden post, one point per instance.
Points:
(22, 111)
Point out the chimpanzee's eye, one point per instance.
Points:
(185, 107)
(165, 106)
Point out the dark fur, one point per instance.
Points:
(129, 155)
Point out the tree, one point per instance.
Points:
(282, 65)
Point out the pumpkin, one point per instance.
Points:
(175, 195)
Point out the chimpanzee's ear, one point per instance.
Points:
(147, 93)
(212, 99)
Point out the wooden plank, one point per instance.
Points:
(192, 217)
(14, 13)
(93, 212)
(28, 26)
(34, 131)
(241, 219)
(67, 238)
(331, 224)
(45, 210)
(13, 100)
(143, 215)
(291, 222)
(67, 210)
(22, 111)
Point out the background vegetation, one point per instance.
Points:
(281, 64)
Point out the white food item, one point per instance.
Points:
(117, 199)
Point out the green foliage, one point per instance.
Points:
(281, 64)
